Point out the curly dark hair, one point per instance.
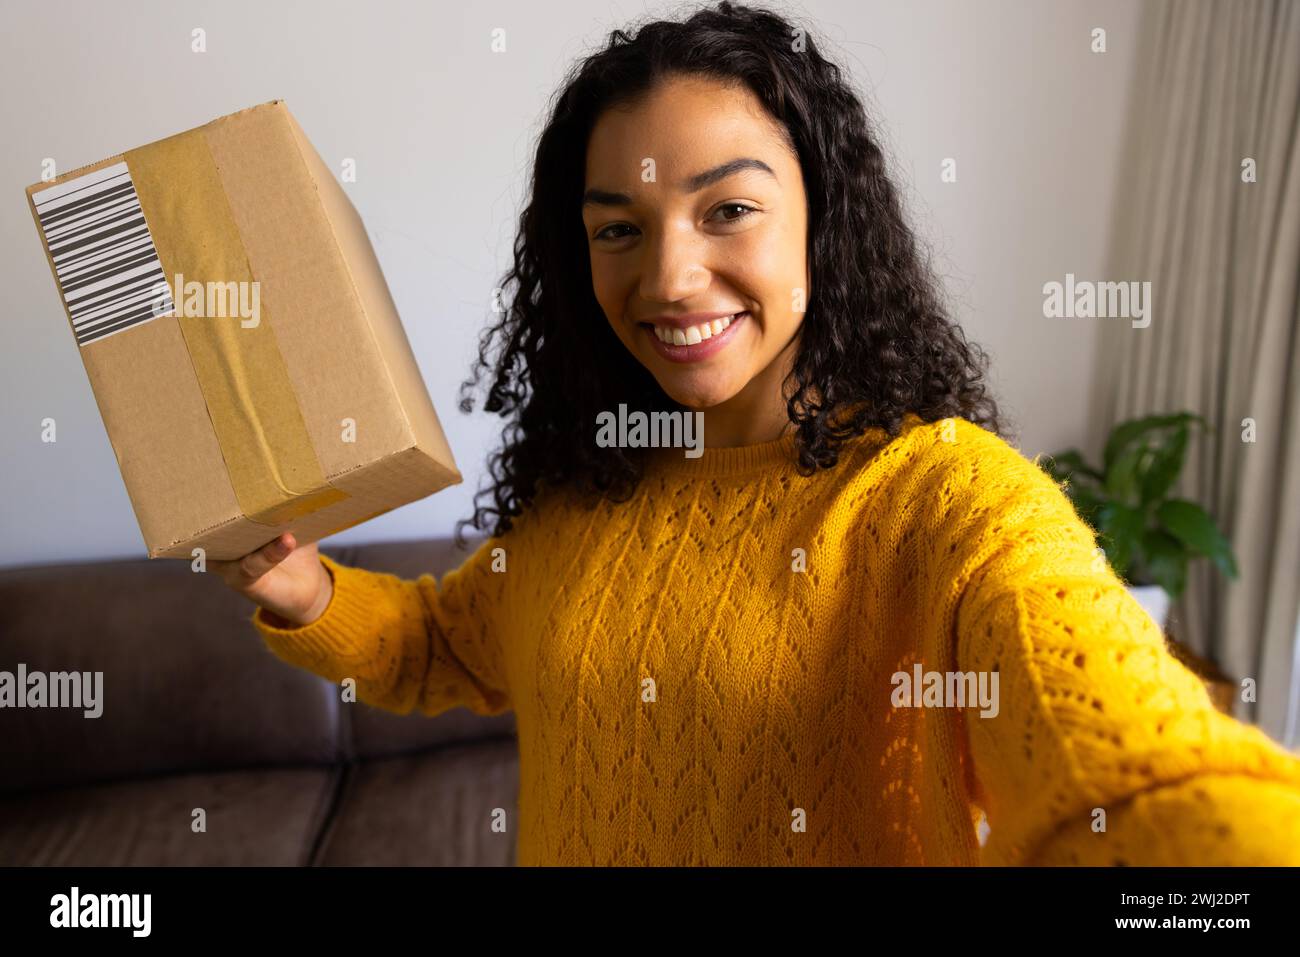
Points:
(874, 343)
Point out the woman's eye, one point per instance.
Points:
(604, 232)
(745, 211)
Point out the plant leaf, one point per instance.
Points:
(1120, 529)
(1166, 561)
(1121, 477)
(1126, 433)
(1165, 466)
(1192, 526)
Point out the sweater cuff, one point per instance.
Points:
(332, 635)
(1214, 820)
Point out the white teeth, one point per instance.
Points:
(693, 335)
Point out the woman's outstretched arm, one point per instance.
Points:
(1104, 749)
(408, 644)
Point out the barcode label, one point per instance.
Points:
(104, 256)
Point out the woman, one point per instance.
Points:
(860, 619)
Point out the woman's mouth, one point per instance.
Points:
(693, 343)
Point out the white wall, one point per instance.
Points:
(441, 130)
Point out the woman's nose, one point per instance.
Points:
(673, 269)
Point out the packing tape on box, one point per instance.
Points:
(259, 425)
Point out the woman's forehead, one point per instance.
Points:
(687, 157)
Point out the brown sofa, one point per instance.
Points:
(197, 713)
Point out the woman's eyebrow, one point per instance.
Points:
(693, 184)
(700, 180)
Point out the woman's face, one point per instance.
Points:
(695, 211)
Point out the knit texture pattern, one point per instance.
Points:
(706, 674)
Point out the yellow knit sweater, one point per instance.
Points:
(722, 670)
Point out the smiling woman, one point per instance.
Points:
(856, 626)
(678, 264)
(717, 169)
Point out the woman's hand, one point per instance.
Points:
(289, 582)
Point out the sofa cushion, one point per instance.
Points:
(255, 817)
(187, 683)
(429, 808)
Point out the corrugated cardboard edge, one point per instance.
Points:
(380, 311)
(121, 156)
(393, 461)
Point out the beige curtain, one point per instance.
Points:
(1216, 84)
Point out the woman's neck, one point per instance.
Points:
(755, 414)
(736, 422)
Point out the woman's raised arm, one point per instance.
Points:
(1104, 749)
(408, 644)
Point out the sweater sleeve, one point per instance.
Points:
(407, 644)
(1105, 749)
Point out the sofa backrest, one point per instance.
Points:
(187, 683)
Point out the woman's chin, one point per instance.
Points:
(698, 396)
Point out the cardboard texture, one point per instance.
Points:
(243, 347)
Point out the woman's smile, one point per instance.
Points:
(695, 342)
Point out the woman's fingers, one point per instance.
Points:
(244, 571)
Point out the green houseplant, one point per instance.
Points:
(1148, 537)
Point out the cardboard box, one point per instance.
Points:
(243, 347)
